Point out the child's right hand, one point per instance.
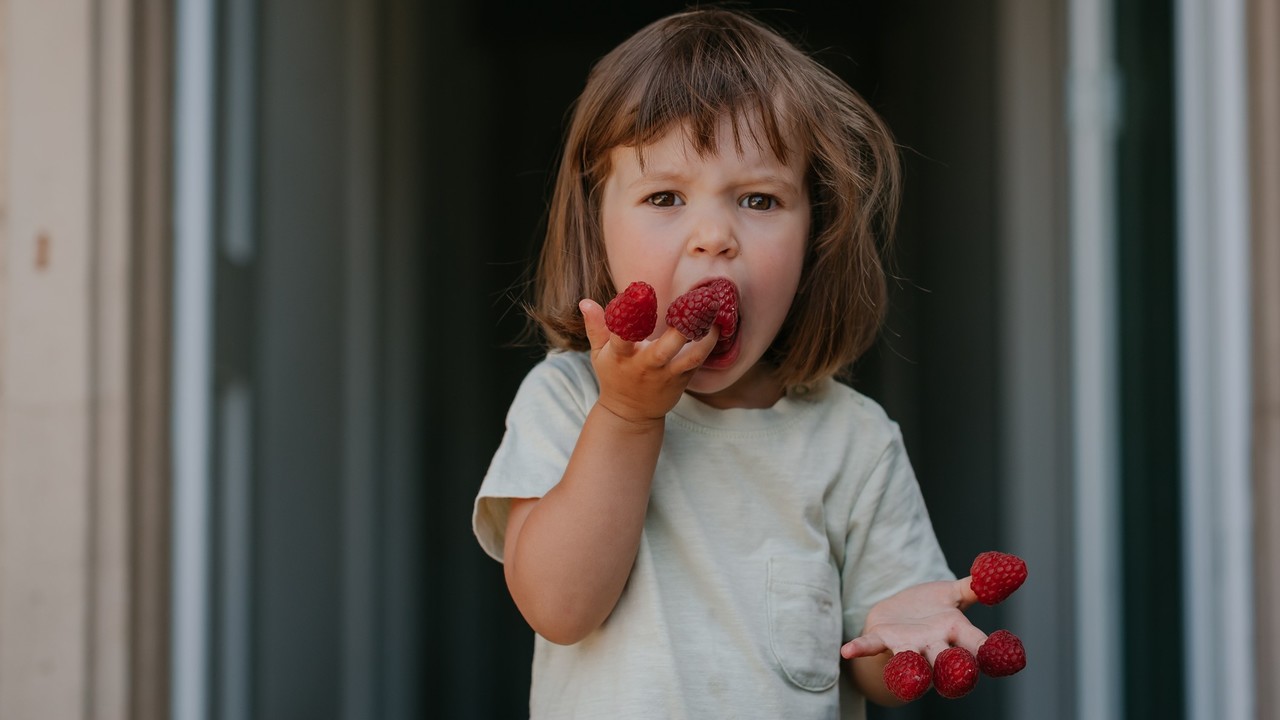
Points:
(569, 553)
(641, 381)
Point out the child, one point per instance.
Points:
(691, 527)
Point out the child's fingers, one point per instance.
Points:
(967, 596)
(670, 350)
(667, 350)
(593, 322)
(970, 638)
(864, 646)
(961, 634)
(667, 346)
(697, 353)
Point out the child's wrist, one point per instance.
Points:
(630, 420)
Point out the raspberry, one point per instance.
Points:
(1002, 654)
(633, 314)
(907, 675)
(727, 317)
(955, 672)
(694, 312)
(711, 303)
(996, 575)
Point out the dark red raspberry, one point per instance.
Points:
(633, 314)
(1002, 654)
(955, 672)
(727, 317)
(908, 675)
(694, 312)
(996, 575)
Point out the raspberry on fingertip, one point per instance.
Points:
(908, 675)
(1002, 654)
(633, 313)
(995, 575)
(955, 672)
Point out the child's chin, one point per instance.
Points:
(721, 370)
(708, 383)
(714, 377)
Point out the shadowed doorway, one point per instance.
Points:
(504, 76)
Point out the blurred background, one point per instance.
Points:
(260, 272)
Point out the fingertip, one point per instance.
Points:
(708, 343)
(668, 345)
(593, 322)
(972, 639)
(967, 596)
(864, 646)
(698, 350)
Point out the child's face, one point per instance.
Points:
(686, 218)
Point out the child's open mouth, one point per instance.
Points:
(727, 347)
(712, 302)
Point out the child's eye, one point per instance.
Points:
(759, 201)
(663, 199)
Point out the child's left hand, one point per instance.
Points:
(926, 618)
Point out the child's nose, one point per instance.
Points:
(714, 235)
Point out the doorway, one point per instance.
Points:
(495, 116)
(396, 165)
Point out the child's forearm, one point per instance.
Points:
(569, 553)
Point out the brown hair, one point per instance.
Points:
(690, 70)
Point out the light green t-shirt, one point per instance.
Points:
(769, 535)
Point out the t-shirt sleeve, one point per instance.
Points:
(542, 427)
(891, 543)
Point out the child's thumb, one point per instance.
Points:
(593, 322)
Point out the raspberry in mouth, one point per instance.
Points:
(713, 302)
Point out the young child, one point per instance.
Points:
(692, 527)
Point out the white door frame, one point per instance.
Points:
(1211, 49)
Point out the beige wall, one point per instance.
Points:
(49, 556)
(71, 345)
(1265, 124)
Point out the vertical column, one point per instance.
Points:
(1264, 94)
(1214, 278)
(1035, 415)
(149, 367)
(362, 477)
(192, 356)
(109, 311)
(1092, 117)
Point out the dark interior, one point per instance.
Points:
(388, 162)
(385, 356)
(929, 69)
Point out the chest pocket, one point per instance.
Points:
(804, 621)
